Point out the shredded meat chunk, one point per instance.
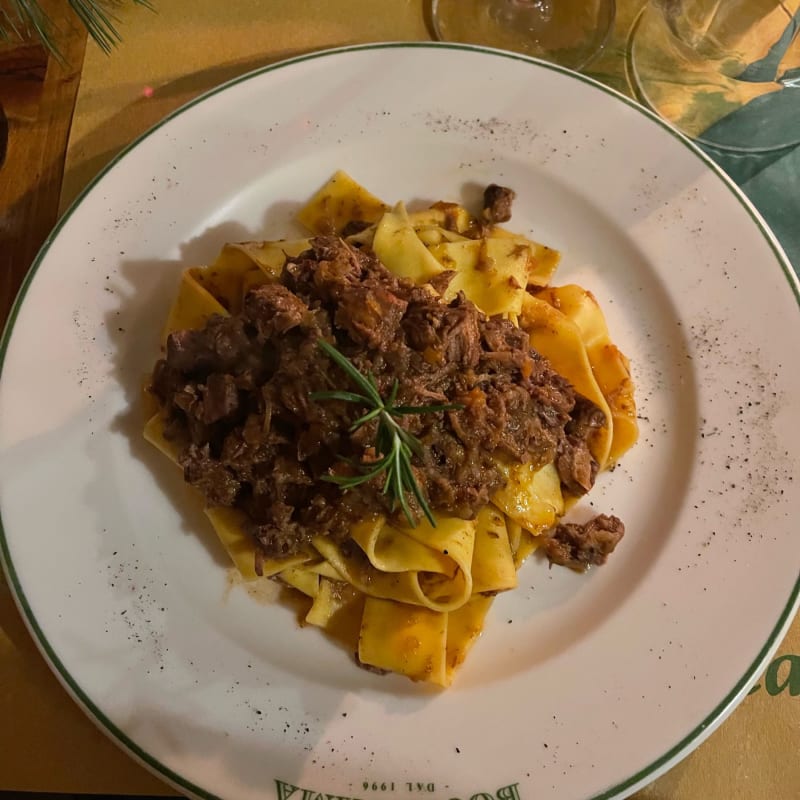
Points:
(497, 202)
(582, 546)
(575, 463)
(221, 397)
(212, 478)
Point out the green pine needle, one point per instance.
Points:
(21, 17)
(393, 443)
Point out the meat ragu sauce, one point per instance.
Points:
(236, 395)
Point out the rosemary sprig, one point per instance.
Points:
(393, 443)
(18, 17)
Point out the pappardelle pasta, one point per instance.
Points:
(390, 415)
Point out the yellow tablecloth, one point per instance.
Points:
(187, 47)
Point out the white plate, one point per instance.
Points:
(581, 685)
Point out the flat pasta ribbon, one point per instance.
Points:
(493, 567)
(610, 367)
(492, 273)
(558, 339)
(431, 568)
(399, 248)
(339, 201)
(421, 644)
(531, 497)
(408, 639)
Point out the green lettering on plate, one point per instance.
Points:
(772, 679)
(510, 792)
(284, 790)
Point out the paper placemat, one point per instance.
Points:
(167, 59)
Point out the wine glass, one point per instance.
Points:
(567, 32)
(725, 74)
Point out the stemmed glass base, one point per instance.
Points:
(567, 32)
(710, 91)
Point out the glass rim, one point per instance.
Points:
(433, 8)
(636, 85)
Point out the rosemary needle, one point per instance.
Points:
(393, 443)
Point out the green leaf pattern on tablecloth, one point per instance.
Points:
(751, 114)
